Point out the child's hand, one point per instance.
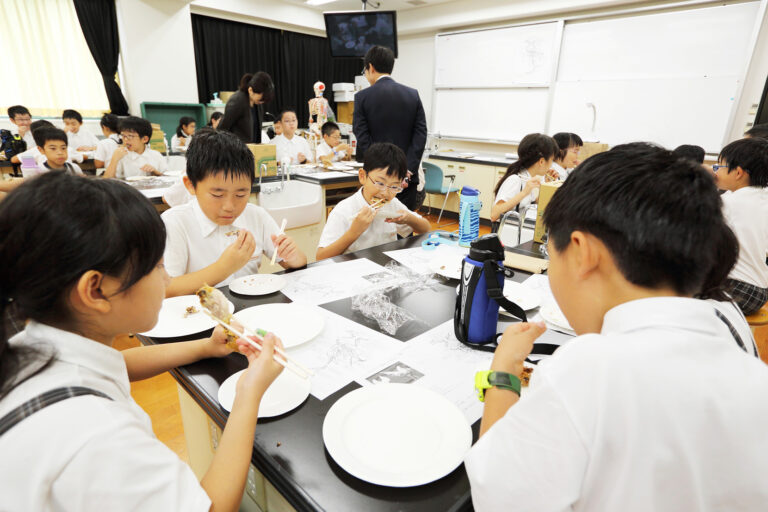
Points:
(287, 250)
(239, 252)
(552, 175)
(150, 170)
(342, 147)
(301, 158)
(217, 344)
(533, 183)
(515, 345)
(182, 141)
(262, 368)
(119, 153)
(362, 220)
(402, 219)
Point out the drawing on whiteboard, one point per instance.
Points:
(534, 56)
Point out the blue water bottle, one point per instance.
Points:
(469, 215)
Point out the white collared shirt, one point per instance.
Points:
(746, 211)
(379, 232)
(193, 241)
(562, 172)
(515, 184)
(324, 149)
(291, 148)
(82, 138)
(131, 163)
(29, 139)
(88, 453)
(105, 148)
(40, 159)
(660, 411)
(177, 194)
(176, 143)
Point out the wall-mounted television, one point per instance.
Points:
(352, 33)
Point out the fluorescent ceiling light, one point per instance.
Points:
(319, 2)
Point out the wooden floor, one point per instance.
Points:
(159, 398)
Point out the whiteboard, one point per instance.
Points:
(502, 57)
(492, 114)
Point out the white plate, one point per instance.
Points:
(257, 284)
(397, 435)
(285, 394)
(293, 323)
(551, 314)
(340, 167)
(177, 172)
(137, 178)
(353, 164)
(171, 322)
(521, 295)
(447, 265)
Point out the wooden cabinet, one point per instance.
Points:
(480, 176)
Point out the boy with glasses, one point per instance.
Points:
(331, 149)
(373, 215)
(135, 158)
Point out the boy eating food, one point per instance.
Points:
(135, 158)
(331, 149)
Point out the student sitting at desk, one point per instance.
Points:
(519, 186)
(34, 151)
(289, 146)
(20, 116)
(184, 132)
(626, 416)
(219, 235)
(331, 149)
(356, 222)
(79, 139)
(52, 144)
(66, 412)
(135, 158)
(106, 147)
(215, 120)
(567, 157)
(743, 172)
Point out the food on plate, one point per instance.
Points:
(231, 233)
(191, 310)
(525, 378)
(216, 303)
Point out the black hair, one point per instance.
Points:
(329, 127)
(532, 148)
(726, 254)
(244, 80)
(387, 156)
(261, 83)
(18, 110)
(184, 121)
(72, 114)
(136, 124)
(630, 199)
(111, 122)
(565, 141)
(285, 111)
(752, 156)
(218, 151)
(759, 130)
(382, 59)
(40, 123)
(47, 133)
(691, 152)
(101, 225)
(214, 116)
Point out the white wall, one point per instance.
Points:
(157, 53)
(270, 13)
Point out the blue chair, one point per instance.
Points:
(433, 184)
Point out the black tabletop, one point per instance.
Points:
(289, 450)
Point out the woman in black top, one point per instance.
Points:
(238, 112)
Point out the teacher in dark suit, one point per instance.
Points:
(240, 116)
(390, 112)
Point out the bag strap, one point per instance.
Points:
(733, 330)
(490, 268)
(42, 401)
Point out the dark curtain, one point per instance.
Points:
(225, 50)
(762, 111)
(99, 23)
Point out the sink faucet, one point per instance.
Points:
(262, 171)
(284, 169)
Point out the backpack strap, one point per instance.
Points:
(42, 401)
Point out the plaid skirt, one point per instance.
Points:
(749, 297)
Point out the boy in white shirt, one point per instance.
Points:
(79, 139)
(742, 171)
(20, 116)
(106, 147)
(219, 235)
(627, 415)
(289, 146)
(331, 149)
(52, 144)
(135, 158)
(373, 215)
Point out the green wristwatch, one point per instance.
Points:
(502, 380)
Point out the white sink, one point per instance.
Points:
(300, 203)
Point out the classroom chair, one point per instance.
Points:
(434, 184)
(514, 219)
(760, 319)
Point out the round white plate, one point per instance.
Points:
(353, 164)
(397, 435)
(285, 394)
(340, 167)
(551, 314)
(521, 295)
(177, 172)
(172, 323)
(293, 323)
(257, 284)
(137, 178)
(447, 265)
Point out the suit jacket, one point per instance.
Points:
(242, 119)
(391, 112)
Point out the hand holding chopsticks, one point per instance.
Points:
(282, 230)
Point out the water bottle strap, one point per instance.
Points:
(491, 268)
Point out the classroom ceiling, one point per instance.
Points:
(356, 5)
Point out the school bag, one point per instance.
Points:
(10, 144)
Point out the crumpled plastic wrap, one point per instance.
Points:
(377, 304)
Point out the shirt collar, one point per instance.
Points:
(662, 312)
(75, 349)
(383, 76)
(207, 226)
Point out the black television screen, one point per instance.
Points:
(351, 34)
